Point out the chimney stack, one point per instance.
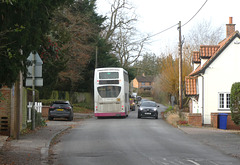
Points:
(230, 28)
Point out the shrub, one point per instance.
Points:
(235, 103)
(47, 102)
(54, 95)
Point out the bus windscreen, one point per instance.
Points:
(108, 75)
(109, 91)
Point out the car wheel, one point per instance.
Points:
(50, 118)
(70, 118)
(139, 116)
(156, 117)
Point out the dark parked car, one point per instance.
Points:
(148, 109)
(60, 109)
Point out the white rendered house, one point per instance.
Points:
(216, 68)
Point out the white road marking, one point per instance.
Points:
(193, 162)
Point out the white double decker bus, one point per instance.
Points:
(111, 92)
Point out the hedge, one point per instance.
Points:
(235, 103)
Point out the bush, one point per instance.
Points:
(235, 103)
(54, 95)
(47, 102)
(82, 108)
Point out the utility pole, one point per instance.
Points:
(16, 111)
(33, 92)
(34, 79)
(180, 66)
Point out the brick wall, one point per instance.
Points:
(45, 111)
(230, 123)
(135, 83)
(214, 120)
(5, 109)
(195, 119)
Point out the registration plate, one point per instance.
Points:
(59, 109)
(147, 113)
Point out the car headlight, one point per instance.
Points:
(140, 109)
(155, 109)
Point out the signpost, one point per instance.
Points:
(34, 78)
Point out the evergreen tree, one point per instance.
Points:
(84, 26)
(23, 25)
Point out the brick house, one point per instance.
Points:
(143, 83)
(215, 68)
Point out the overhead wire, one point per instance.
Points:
(195, 13)
(141, 40)
(145, 38)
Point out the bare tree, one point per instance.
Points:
(121, 16)
(204, 33)
(127, 50)
(122, 33)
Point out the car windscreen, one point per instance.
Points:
(148, 104)
(62, 105)
(109, 91)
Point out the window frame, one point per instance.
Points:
(224, 101)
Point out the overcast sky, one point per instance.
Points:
(157, 15)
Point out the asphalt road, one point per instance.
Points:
(132, 141)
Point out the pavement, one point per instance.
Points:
(35, 147)
(226, 141)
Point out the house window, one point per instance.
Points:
(143, 83)
(228, 100)
(224, 101)
(221, 100)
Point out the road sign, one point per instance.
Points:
(36, 72)
(38, 82)
(38, 65)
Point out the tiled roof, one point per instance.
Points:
(210, 52)
(206, 51)
(191, 85)
(195, 71)
(223, 42)
(222, 45)
(145, 78)
(196, 57)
